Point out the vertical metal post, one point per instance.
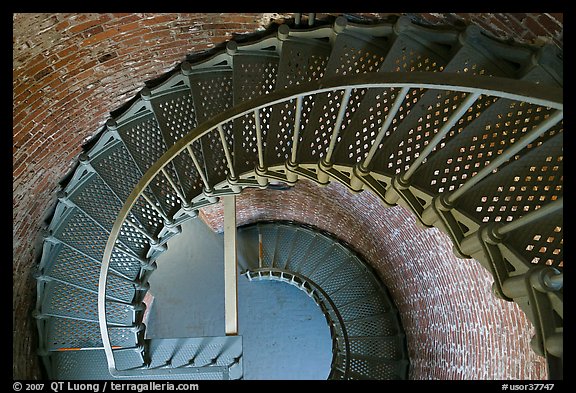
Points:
(230, 266)
(296, 134)
(297, 17)
(174, 187)
(260, 251)
(261, 175)
(326, 162)
(153, 206)
(311, 19)
(338, 124)
(227, 152)
(387, 122)
(291, 165)
(153, 239)
(259, 142)
(198, 167)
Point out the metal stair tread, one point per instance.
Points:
(334, 258)
(254, 75)
(89, 365)
(69, 334)
(268, 234)
(384, 324)
(478, 129)
(121, 170)
(247, 242)
(72, 267)
(216, 351)
(405, 55)
(376, 368)
(358, 288)
(63, 300)
(174, 111)
(377, 347)
(350, 54)
(312, 60)
(286, 241)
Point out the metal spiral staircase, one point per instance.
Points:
(460, 128)
(368, 339)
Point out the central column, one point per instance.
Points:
(230, 266)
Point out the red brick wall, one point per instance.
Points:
(71, 70)
(455, 327)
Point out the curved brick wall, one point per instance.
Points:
(71, 70)
(455, 327)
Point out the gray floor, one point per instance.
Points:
(284, 333)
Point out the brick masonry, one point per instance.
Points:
(71, 70)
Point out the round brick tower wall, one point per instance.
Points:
(71, 70)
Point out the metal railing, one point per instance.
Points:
(439, 209)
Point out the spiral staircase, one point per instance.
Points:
(462, 129)
(368, 339)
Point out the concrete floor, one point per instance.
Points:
(285, 335)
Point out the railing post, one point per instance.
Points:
(530, 217)
(207, 188)
(291, 165)
(326, 163)
(311, 19)
(175, 187)
(232, 179)
(260, 169)
(297, 18)
(167, 221)
(230, 266)
(362, 168)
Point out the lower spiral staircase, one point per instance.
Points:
(368, 341)
(462, 129)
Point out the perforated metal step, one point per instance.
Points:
(302, 60)
(63, 300)
(351, 53)
(63, 334)
(205, 358)
(254, 75)
(174, 111)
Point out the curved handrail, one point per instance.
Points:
(494, 86)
